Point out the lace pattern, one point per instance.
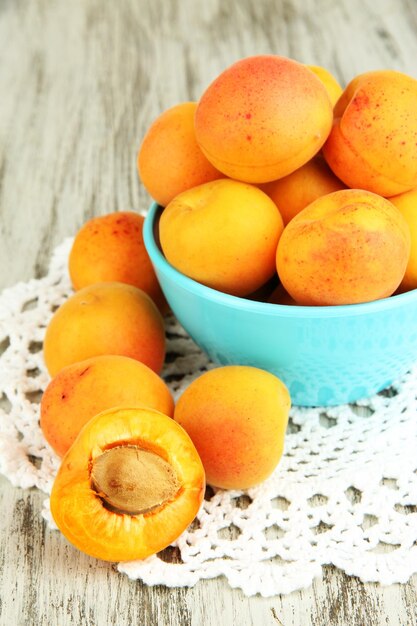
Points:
(345, 492)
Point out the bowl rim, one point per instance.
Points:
(253, 306)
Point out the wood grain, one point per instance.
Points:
(80, 82)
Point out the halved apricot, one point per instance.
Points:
(129, 485)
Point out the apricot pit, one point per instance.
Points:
(133, 481)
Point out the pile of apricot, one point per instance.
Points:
(275, 177)
(134, 466)
(315, 189)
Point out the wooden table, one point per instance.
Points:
(80, 81)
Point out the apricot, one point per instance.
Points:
(236, 417)
(169, 159)
(406, 203)
(110, 248)
(346, 247)
(223, 234)
(373, 143)
(129, 485)
(294, 192)
(263, 118)
(82, 390)
(105, 318)
(334, 90)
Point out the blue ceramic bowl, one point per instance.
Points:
(325, 355)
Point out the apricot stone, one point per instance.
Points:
(82, 390)
(110, 248)
(129, 485)
(170, 160)
(406, 203)
(223, 234)
(236, 417)
(294, 192)
(373, 143)
(336, 250)
(263, 118)
(105, 318)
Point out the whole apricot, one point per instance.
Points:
(236, 417)
(82, 390)
(223, 234)
(336, 250)
(110, 248)
(294, 192)
(129, 485)
(262, 118)
(334, 90)
(406, 203)
(373, 141)
(105, 318)
(170, 160)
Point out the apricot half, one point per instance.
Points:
(347, 247)
(110, 248)
(82, 390)
(262, 118)
(129, 485)
(237, 417)
(105, 318)
(373, 143)
(223, 234)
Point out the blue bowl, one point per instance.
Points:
(325, 355)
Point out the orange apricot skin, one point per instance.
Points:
(294, 192)
(262, 118)
(110, 248)
(236, 417)
(82, 390)
(170, 160)
(335, 251)
(80, 513)
(406, 203)
(223, 234)
(334, 90)
(372, 144)
(105, 318)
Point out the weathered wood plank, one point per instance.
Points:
(80, 82)
(45, 581)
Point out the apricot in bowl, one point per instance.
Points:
(347, 247)
(262, 118)
(372, 144)
(223, 234)
(325, 355)
(129, 485)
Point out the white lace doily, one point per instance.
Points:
(345, 492)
